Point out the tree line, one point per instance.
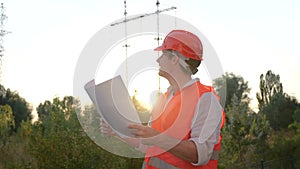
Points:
(271, 134)
(58, 140)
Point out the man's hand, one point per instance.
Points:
(106, 129)
(146, 133)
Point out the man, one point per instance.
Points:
(184, 131)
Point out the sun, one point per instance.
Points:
(145, 85)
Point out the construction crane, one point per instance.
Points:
(3, 32)
(157, 12)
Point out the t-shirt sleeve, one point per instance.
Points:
(205, 127)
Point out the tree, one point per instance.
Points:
(59, 135)
(59, 141)
(12, 151)
(6, 123)
(65, 106)
(244, 135)
(269, 85)
(44, 109)
(280, 110)
(245, 132)
(231, 85)
(278, 106)
(20, 108)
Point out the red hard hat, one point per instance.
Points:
(184, 42)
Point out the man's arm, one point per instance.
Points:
(183, 149)
(206, 126)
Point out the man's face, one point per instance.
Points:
(165, 64)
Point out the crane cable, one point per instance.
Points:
(126, 45)
(158, 38)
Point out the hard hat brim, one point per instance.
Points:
(160, 48)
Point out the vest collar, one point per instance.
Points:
(192, 81)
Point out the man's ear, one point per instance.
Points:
(175, 60)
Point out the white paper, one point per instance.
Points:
(90, 89)
(114, 104)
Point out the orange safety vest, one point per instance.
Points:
(175, 121)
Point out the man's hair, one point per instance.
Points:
(192, 63)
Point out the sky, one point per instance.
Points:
(250, 38)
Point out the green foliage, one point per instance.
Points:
(58, 141)
(65, 142)
(284, 144)
(231, 85)
(6, 123)
(280, 110)
(269, 86)
(278, 107)
(296, 115)
(244, 135)
(15, 153)
(296, 141)
(20, 108)
(65, 107)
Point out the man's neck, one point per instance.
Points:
(178, 83)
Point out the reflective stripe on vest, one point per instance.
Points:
(158, 163)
